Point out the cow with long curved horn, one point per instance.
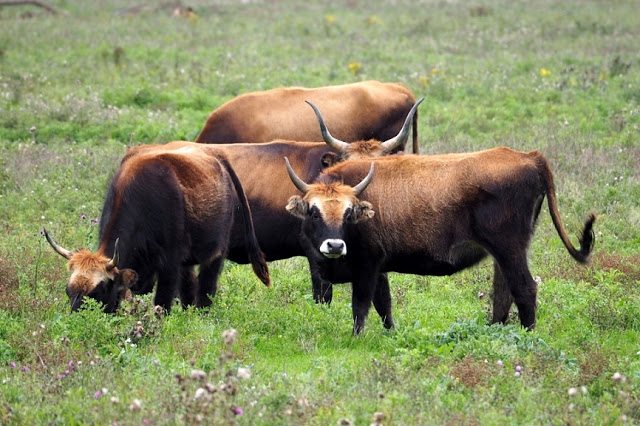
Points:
(390, 145)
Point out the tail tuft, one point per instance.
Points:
(587, 239)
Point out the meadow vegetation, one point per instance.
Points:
(77, 88)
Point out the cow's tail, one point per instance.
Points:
(586, 237)
(256, 257)
(414, 133)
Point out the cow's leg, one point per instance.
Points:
(364, 288)
(523, 288)
(382, 300)
(168, 280)
(208, 282)
(502, 298)
(322, 289)
(188, 286)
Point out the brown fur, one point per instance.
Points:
(436, 215)
(357, 111)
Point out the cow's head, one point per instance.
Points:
(363, 149)
(326, 209)
(96, 276)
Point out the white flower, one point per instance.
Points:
(244, 373)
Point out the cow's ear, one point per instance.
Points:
(362, 211)
(297, 206)
(128, 278)
(329, 159)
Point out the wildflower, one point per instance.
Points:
(156, 362)
(244, 373)
(517, 374)
(544, 72)
(355, 67)
(83, 216)
(499, 363)
(97, 394)
(238, 411)
(434, 71)
(96, 220)
(135, 405)
(114, 400)
(373, 20)
(572, 391)
(198, 374)
(424, 80)
(70, 364)
(518, 368)
(330, 18)
(200, 393)
(229, 336)
(25, 369)
(617, 377)
(12, 364)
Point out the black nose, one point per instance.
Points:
(335, 247)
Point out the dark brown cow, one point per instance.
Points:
(166, 210)
(357, 111)
(430, 215)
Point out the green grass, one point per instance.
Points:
(77, 88)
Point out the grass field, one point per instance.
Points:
(78, 87)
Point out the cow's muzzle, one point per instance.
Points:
(333, 248)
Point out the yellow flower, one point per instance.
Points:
(434, 71)
(424, 80)
(355, 67)
(544, 72)
(330, 18)
(373, 20)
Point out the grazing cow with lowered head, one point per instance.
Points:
(357, 111)
(165, 211)
(430, 215)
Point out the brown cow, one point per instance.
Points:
(430, 215)
(166, 210)
(357, 111)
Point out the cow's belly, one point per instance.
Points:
(459, 257)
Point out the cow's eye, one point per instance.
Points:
(349, 215)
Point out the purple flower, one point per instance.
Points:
(238, 411)
(25, 368)
(12, 364)
(83, 216)
(517, 374)
(518, 368)
(97, 395)
(96, 220)
(499, 362)
(66, 372)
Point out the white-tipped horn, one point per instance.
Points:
(334, 143)
(113, 263)
(61, 251)
(401, 138)
(299, 183)
(365, 182)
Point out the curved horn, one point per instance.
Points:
(401, 138)
(113, 263)
(365, 182)
(326, 136)
(299, 183)
(61, 251)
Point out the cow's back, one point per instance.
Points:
(357, 111)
